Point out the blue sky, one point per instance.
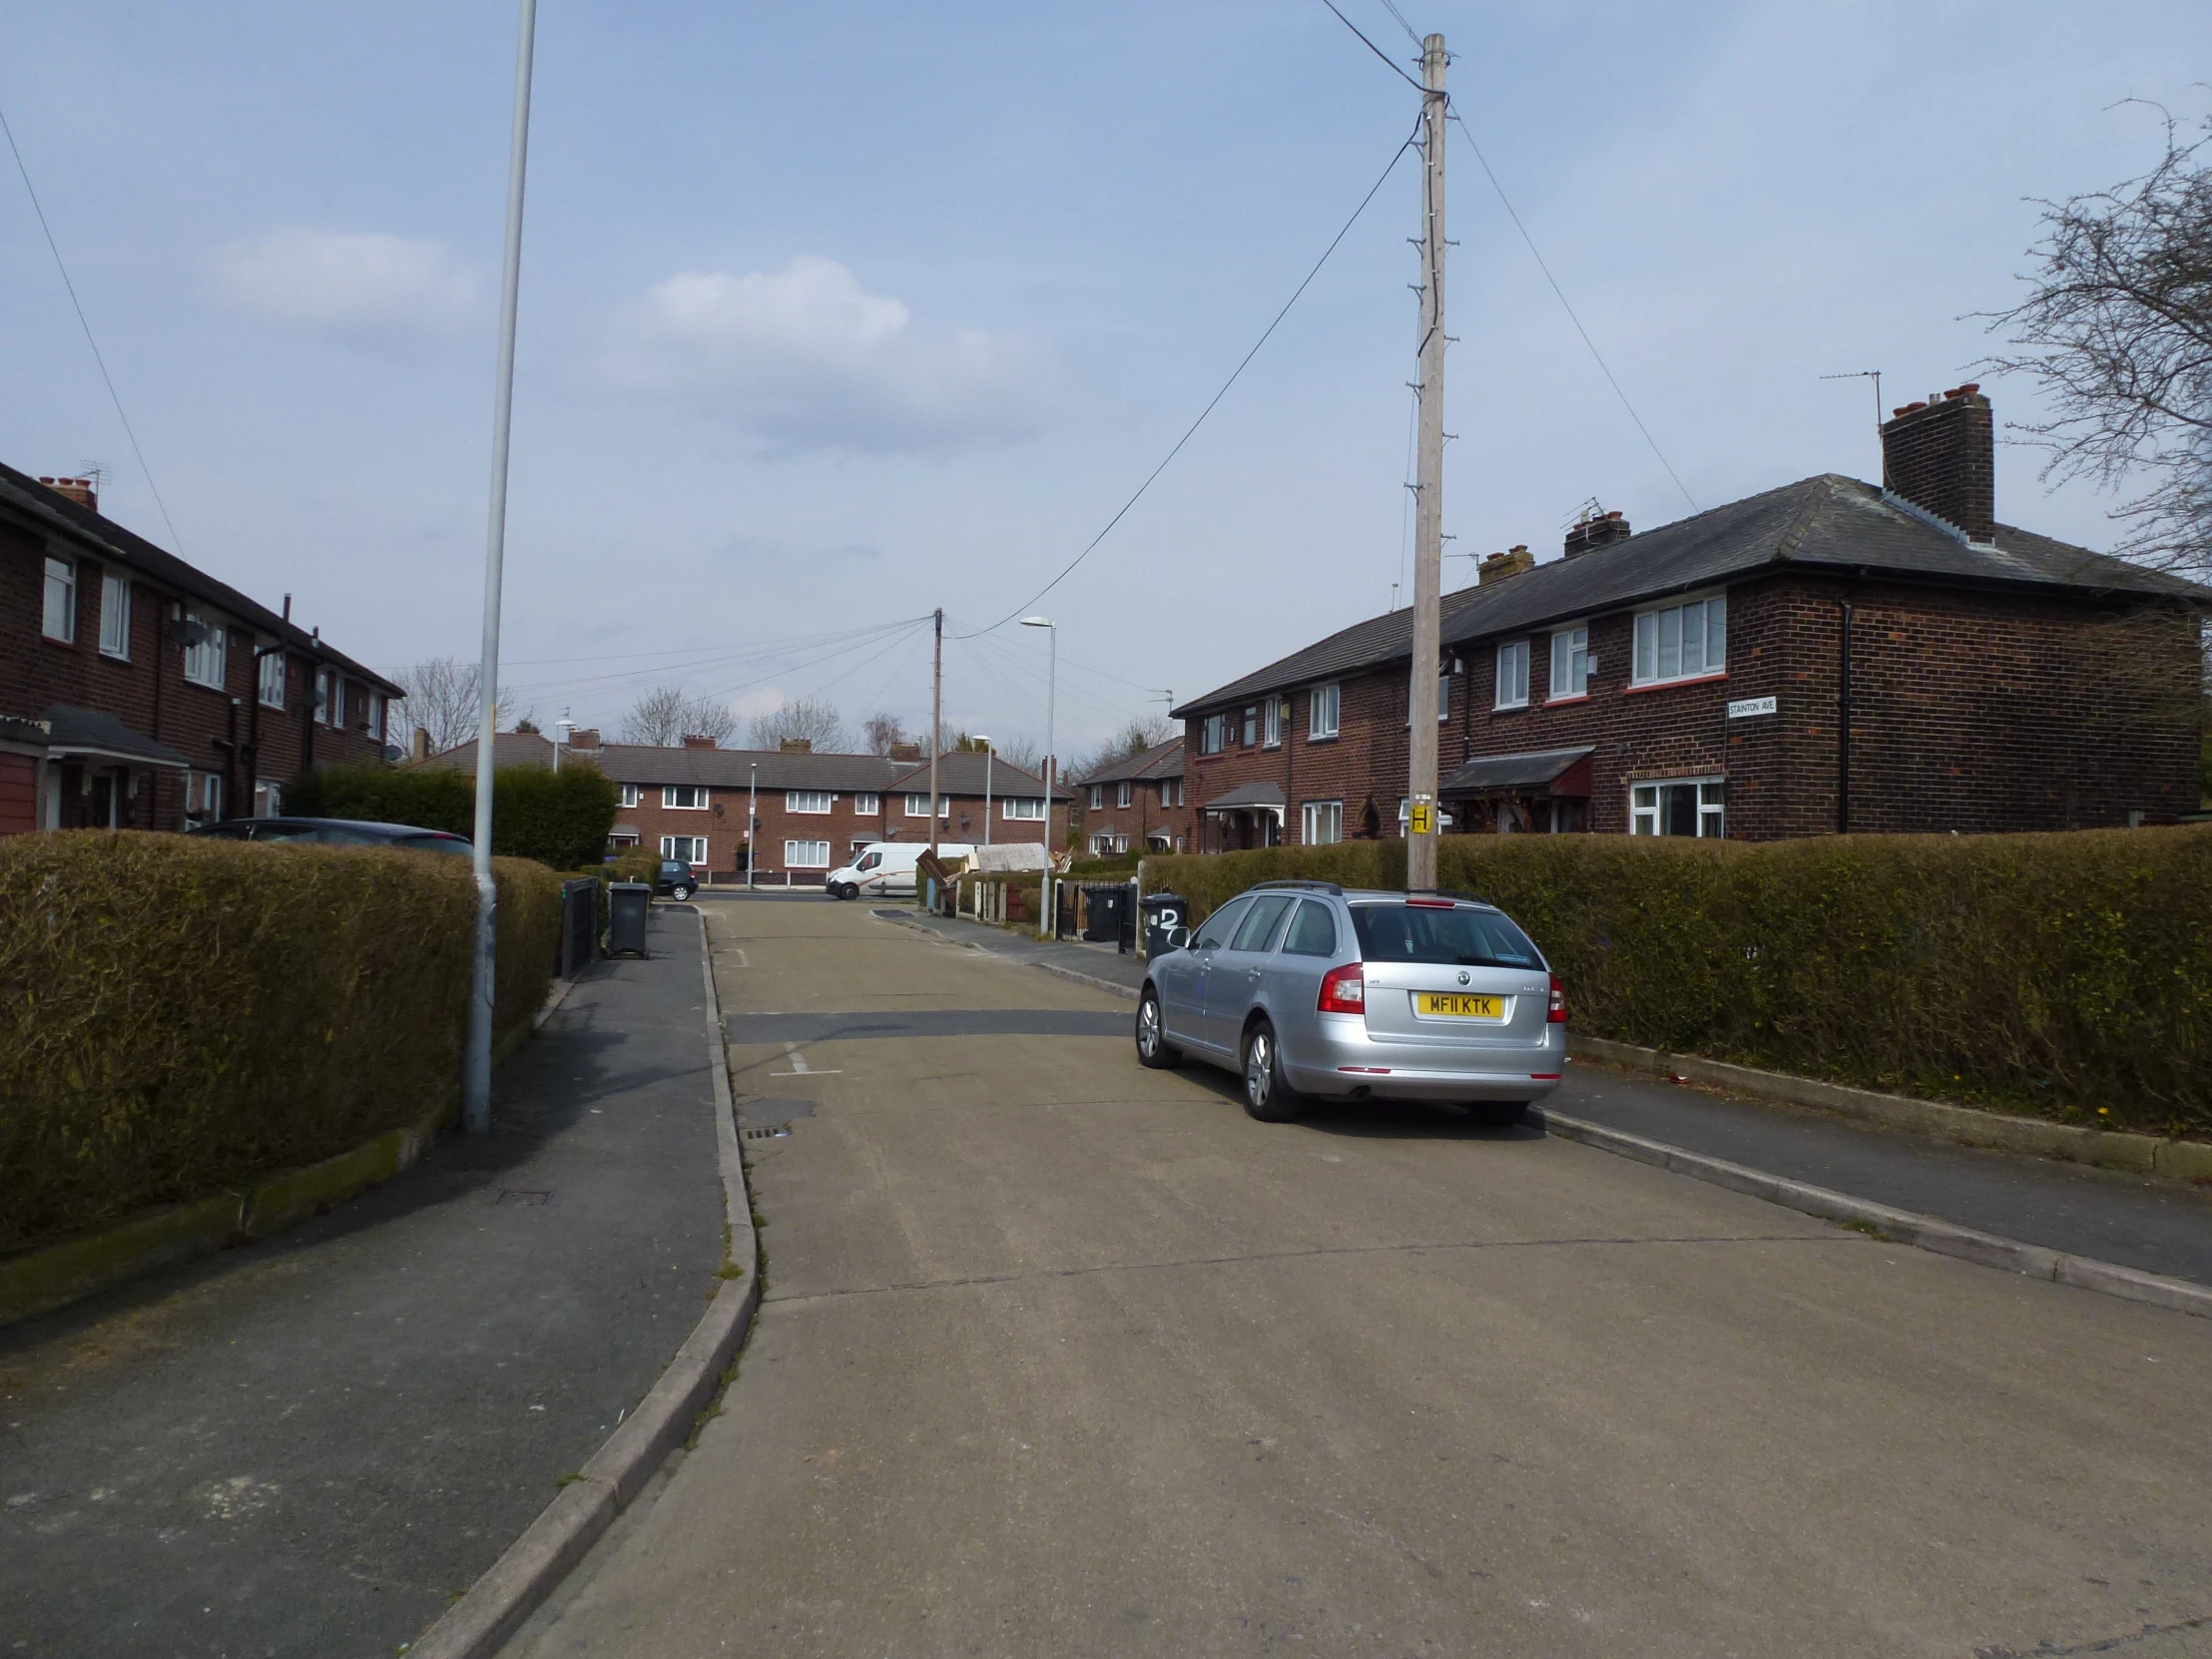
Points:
(833, 314)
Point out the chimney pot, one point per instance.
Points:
(796, 746)
(1595, 529)
(699, 740)
(79, 490)
(1498, 566)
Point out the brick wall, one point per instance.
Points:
(1971, 711)
(1144, 817)
(149, 691)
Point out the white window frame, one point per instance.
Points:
(692, 845)
(1271, 725)
(1125, 792)
(1098, 798)
(58, 621)
(1027, 809)
(806, 854)
(629, 797)
(1321, 823)
(1663, 633)
(377, 715)
(698, 802)
(1571, 663)
(325, 685)
(917, 806)
(868, 805)
(270, 674)
(204, 796)
(1513, 673)
(208, 663)
(1325, 707)
(115, 615)
(808, 801)
(1212, 733)
(1646, 805)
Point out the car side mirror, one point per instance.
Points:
(1179, 938)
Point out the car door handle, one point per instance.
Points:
(1252, 973)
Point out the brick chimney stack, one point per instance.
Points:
(699, 740)
(79, 490)
(1596, 529)
(911, 752)
(1498, 566)
(420, 750)
(796, 746)
(1941, 456)
(583, 741)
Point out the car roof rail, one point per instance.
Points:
(1308, 886)
(1455, 893)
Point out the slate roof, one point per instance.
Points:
(960, 772)
(651, 766)
(91, 732)
(1828, 523)
(1162, 759)
(1248, 795)
(1509, 771)
(109, 541)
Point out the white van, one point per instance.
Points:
(888, 868)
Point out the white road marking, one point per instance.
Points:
(800, 1068)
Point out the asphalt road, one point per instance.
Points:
(1062, 1357)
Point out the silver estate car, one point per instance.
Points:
(1308, 990)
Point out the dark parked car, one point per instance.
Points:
(675, 879)
(338, 831)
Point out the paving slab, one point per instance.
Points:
(311, 1445)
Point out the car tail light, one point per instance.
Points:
(1558, 1015)
(1344, 990)
(1430, 905)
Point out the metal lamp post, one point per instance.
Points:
(751, 823)
(477, 1071)
(1046, 928)
(986, 743)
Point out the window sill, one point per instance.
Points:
(48, 639)
(265, 703)
(206, 686)
(1327, 738)
(123, 657)
(1669, 685)
(1577, 697)
(1507, 708)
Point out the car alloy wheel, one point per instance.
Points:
(1152, 1044)
(1267, 1097)
(680, 892)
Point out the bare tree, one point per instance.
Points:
(881, 731)
(2117, 326)
(1135, 737)
(665, 716)
(442, 695)
(812, 717)
(1025, 753)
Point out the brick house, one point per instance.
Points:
(1135, 802)
(1827, 655)
(816, 811)
(139, 691)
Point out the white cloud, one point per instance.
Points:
(805, 358)
(384, 292)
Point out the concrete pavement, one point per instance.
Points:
(2156, 1225)
(311, 1445)
(1062, 1357)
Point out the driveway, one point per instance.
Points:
(1063, 1357)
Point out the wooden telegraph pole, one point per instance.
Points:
(936, 736)
(1429, 521)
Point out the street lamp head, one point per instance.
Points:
(1036, 622)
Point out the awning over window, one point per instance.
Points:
(1248, 797)
(86, 733)
(1544, 770)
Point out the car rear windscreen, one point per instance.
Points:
(1432, 933)
(437, 843)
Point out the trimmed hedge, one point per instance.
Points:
(180, 1016)
(559, 819)
(2069, 976)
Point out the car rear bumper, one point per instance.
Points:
(1343, 1061)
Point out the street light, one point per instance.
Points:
(752, 822)
(986, 743)
(1046, 928)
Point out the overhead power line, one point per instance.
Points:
(1245, 362)
(1402, 23)
(176, 541)
(1390, 62)
(1561, 295)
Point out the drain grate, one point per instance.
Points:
(512, 1196)
(767, 1134)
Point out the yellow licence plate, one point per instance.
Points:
(1454, 1005)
